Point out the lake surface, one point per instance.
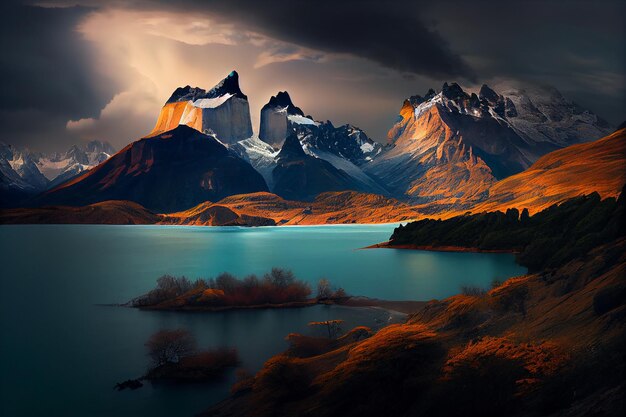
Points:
(61, 353)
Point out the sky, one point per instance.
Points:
(78, 70)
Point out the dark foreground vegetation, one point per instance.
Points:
(277, 288)
(549, 343)
(175, 357)
(548, 239)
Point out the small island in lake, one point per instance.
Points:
(277, 288)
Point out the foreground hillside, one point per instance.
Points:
(546, 344)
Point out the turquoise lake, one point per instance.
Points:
(62, 352)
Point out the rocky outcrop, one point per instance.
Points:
(275, 119)
(169, 172)
(222, 111)
(210, 214)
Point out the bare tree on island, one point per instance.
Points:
(169, 346)
(333, 327)
(324, 291)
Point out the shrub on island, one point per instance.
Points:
(277, 287)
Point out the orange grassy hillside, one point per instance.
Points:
(598, 166)
(328, 208)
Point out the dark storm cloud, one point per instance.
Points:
(391, 34)
(577, 46)
(46, 72)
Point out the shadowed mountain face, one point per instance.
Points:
(275, 119)
(169, 172)
(299, 176)
(19, 176)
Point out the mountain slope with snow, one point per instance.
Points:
(345, 147)
(451, 146)
(20, 177)
(300, 176)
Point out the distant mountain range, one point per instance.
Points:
(24, 173)
(446, 152)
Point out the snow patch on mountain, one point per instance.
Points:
(211, 103)
(19, 172)
(259, 154)
(301, 120)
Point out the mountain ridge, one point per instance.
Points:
(167, 172)
(445, 140)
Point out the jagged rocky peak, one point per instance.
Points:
(280, 116)
(186, 93)
(347, 142)
(536, 113)
(282, 101)
(453, 92)
(486, 93)
(291, 148)
(222, 111)
(228, 86)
